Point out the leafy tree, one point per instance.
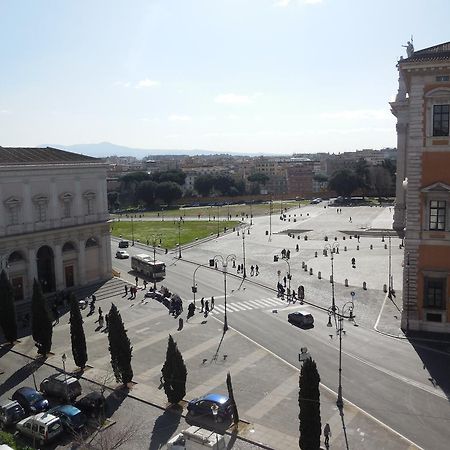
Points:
(258, 177)
(391, 166)
(309, 403)
(168, 191)
(320, 177)
(145, 191)
(77, 336)
(343, 182)
(233, 401)
(41, 322)
(381, 181)
(128, 185)
(113, 200)
(8, 322)
(174, 373)
(362, 173)
(175, 175)
(119, 347)
(134, 177)
(204, 185)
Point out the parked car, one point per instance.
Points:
(298, 318)
(315, 201)
(122, 254)
(202, 406)
(61, 386)
(124, 244)
(11, 412)
(31, 400)
(43, 427)
(92, 404)
(72, 419)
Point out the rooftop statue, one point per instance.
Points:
(409, 48)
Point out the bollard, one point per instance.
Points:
(298, 237)
(385, 246)
(310, 271)
(384, 288)
(303, 264)
(337, 250)
(364, 285)
(371, 247)
(319, 275)
(346, 282)
(315, 254)
(306, 268)
(335, 238)
(325, 252)
(331, 278)
(343, 238)
(345, 248)
(326, 238)
(357, 247)
(350, 237)
(382, 239)
(400, 246)
(306, 238)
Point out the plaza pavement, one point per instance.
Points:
(259, 396)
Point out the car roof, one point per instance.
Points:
(217, 398)
(63, 378)
(68, 410)
(44, 417)
(9, 404)
(26, 390)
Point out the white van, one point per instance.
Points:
(43, 427)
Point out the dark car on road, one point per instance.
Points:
(32, 401)
(300, 319)
(61, 386)
(72, 419)
(11, 412)
(203, 406)
(124, 244)
(92, 404)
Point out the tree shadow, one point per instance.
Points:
(433, 351)
(21, 375)
(163, 429)
(344, 428)
(216, 354)
(208, 422)
(115, 399)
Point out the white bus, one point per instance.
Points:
(144, 264)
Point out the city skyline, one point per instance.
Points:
(267, 76)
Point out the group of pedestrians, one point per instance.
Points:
(254, 270)
(206, 306)
(133, 291)
(102, 320)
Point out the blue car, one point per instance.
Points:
(30, 400)
(204, 406)
(72, 418)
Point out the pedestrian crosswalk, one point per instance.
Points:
(261, 303)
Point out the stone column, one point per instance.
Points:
(54, 211)
(81, 272)
(59, 272)
(27, 207)
(32, 270)
(106, 264)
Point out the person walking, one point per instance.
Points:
(126, 289)
(252, 270)
(206, 308)
(212, 302)
(284, 281)
(137, 280)
(145, 285)
(202, 303)
(256, 270)
(327, 434)
(100, 312)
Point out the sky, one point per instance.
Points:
(254, 76)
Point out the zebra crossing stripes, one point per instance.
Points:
(261, 303)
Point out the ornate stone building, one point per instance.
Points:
(422, 210)
(53, 219)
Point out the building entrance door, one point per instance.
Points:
(69, 276)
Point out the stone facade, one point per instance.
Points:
(422, 210)
(53, 221)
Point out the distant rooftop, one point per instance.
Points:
(436, 53)
(38, 155)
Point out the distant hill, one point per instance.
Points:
(104, 149)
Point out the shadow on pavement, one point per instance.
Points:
(163, 429)
(115, 399)
(433, 355)
(208, 423)
(21, 375)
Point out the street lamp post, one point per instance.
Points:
(218, 221)
(132, 231)
(251, 214)
(225, 262)
(332, 249)
(243, 251)
(345, 312)
(63, 358)
(194, 284)
(154, 259)
(407, 294)
(179, 239)
(288, 274)
(390, 280)
(270, 220)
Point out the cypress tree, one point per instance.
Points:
(77, 336)
(233, 401)
(8, 321)
(174, 373)
(41, 322)
(309, 402)
(119, 347)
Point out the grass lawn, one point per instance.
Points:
(167, 231)
(236, 211)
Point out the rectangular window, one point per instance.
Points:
(434, 295)
(14, 215)
(440, 120)
(66, 209)
(437, 215)
(41, 212)
(90, 206)
(442, 78)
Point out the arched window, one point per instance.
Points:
(91, 242)
(68, 247)
(15, 257)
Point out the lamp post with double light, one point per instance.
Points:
(244, 228)
(154, 245)
(289, 276)
(225, 261)
(332, 249)
(339, 314)
(64, 358)
(270, 220)
(179, 239)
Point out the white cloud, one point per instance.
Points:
(312, 2)
(233, 99)
(147, 83)
(286, 3)
(5, 111)
(179, 118)
(125, 84)
(282, 3)
(355, 114)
